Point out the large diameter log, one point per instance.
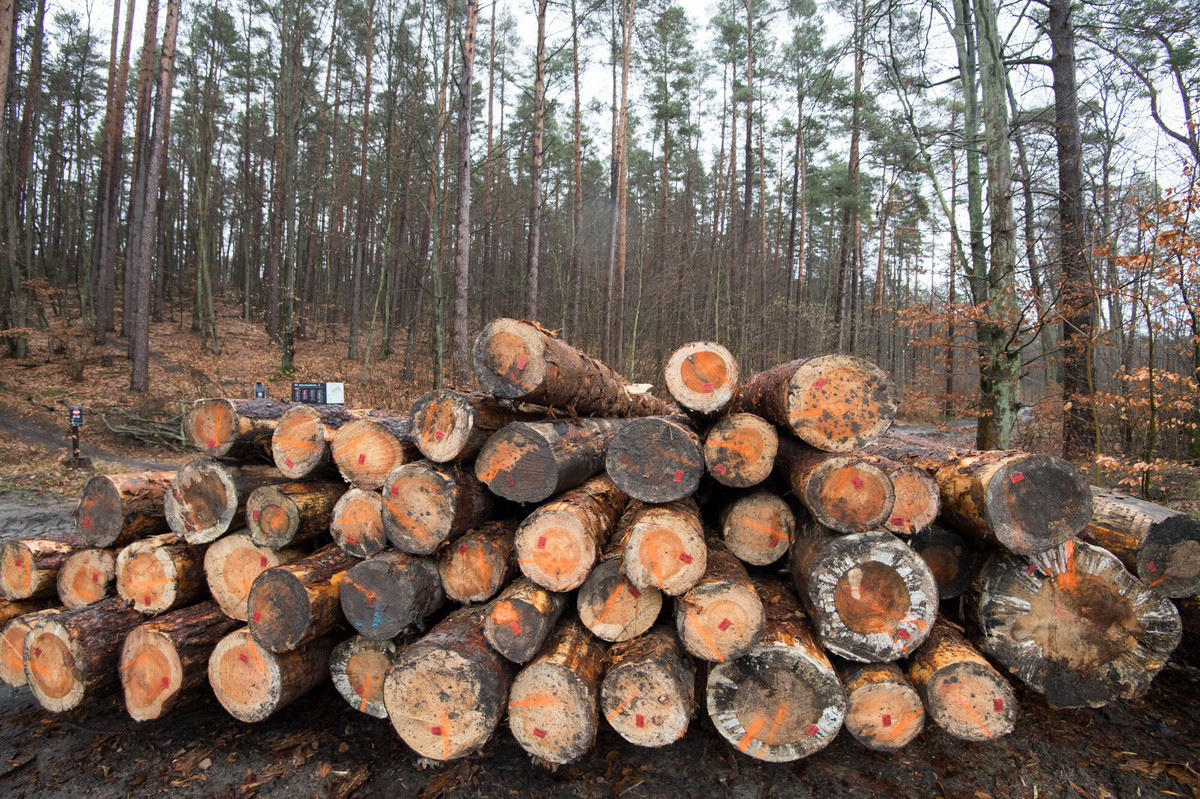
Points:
(611, 606)
(445, 692)
(235, 429)
(300, 446)
(559, 543)
(758, 527)
(161, 573)
(294, 603)
(702, 376)
(1160, 545)
(291, 513)
(721, 617)
(883, 710)
(357, 523)
(115, 509)
(648, 691)
(781, 700)
(664, 545)
(480, 563)
(367, 449)
(390, 592)
(963, 694)
(950, 556)
(656, 459)
(1074, 625)
(1021, 502)
(358, 667)
(520, 620)
(532, 461)
(453, 425)
(12, 638)
(425, 504)
(519, 360)
(86, 576)
(71, 657)
(837, 403)
(871, 598)
(553, 705)
(740, 449)
(845, 493)
(208, 498)
(164, 662)
(251, 682)
(29, 566)
(231, 565)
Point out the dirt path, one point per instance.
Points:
(30, 432)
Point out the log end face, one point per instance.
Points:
(357, 523)
(917, 500)
(665, 551)
(613, 608)
(358, 667)
(849, 495)
(839, 403)
(442, 422)
(245, 679)
(146, 577)
(86, 577)
(552, 713)
(509, 358)
(1169, 560)
(17, 569)
(365, 452)
(972, 701)
(232, 564)
(299, 442)
(12, 652)
(555, 550)
(653, 459)
(272, 517)
(758, 528)
(645, 704)
(885, 717)
(442, 704)
(419, 506)
(151, 674)
(739, 450)
(1036, 502)
(377, 601)
(54, 668)
(702, 376)
(518, 464)
(202, 501)
(100, 516)
(211, 426)
(720, 625)
(279, 611)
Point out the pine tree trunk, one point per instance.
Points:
(532, 461)
(29, 567)
(426, 504)
(252, 682)
(656, 459)
(86, 576)
(235, 429)
(291, 513)
(116, 509)
(703, 377)
(208, 498)
(558, 544)
(522, 618)
(160, 573)
(390, 592)
(721, 617)
(609, 604)
(843, 492)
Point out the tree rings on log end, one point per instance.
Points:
(848, 494)
(1036, 502)
(245, 678)
(552, 712)
(151, 673)
(839, 403)
(758, 527)
(883, 711)
(12, 646)
(719, 621)
(702, 376)
(647, 694)
(612, 607)
(555, 549)
(280, 610)
(422, 505)
(366, 451)
(519, 464)
(665, 548)
(740, 449)
(18, 570)
(655, 459)
(971, 701)
(521, 618)
(212, 426)
(300, 443)
(509, 358)
(358, 667)
(232, 564)
(272, 517)
(55, 667)
(202, 501)
(357, 523)
(917, 500)
(86, 576)
(442, 424)
(147, 576)
(385, 595)
(1169, 558)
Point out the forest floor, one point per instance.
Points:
(319, 747)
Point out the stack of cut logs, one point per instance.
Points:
(567, 548)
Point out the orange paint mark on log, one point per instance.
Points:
(446, 735)
(705, 638)
(303, 443)
(780, 712)
(505, 613)
(610, 603)
(538, 700)
(366, 690)
(617, 711)
(751, 732)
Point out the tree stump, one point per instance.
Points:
(648, 691)
(531, 461)
(558, 544)
(664, 546)
(739, 450)
(12, 638)
(553, 705)
(950, 556)
(871, 598)
(390, 592)
(29, 567)
(164, 662)
(445, 692)
(843, 492)
(480, 563)
(758, 527)
(251, 682)
(703, 377)
(86, 576)
(425, 504)
(453, 425)
(358, 667)
(721, 617)
(208, 498)
(291, 513)
(883, 710)
(611, 606)
(366, 450)
(357, 523)
(962, 693)
(836, 403)
(300, 446)
(521, 619)
(1073, 625)
(656, 459)
(231, 428)
(115, 509)
(161, 573)
(232, 564)
(296, 602)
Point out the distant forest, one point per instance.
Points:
(994, 201)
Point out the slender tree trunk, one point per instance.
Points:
(623, 176)
(140, 164)
(362, 222)
(535, 172)
(460, 360)
(577, 196)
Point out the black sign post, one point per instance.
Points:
(75, 419)
(260, 391)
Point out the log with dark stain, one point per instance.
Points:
(656, 459)
(521, 618)
(532, 461)
(390, 592)
(426, 504)
(208, 498)
(950, 556)
(291, 513)
(294, 603)
(238, 429)
(648, 691)
(358, 667)
(115, 509)
(357, 523)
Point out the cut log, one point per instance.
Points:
(425, 504)
(758, 527)
(164, 662)
(300, 446)
(883, 710)
(962, 693)
(917, 499)
(1160, 545)
(721, 617)
(29, 566)
(292, 604)
(12, 638)
(479, 563)
(1074, 625)
(648, 691)
(115, 509)
(392, 591)
(231, 565)
(782, 700)
(554, 702)
(520, 360)
(291, 513)
(358, 667)
(86, 576)
(843, 492)
(611, 606)
(739, 450)
(235, 429)
(1021, 502)
(702, 376)
(656, 459)
(208, 498)
(559, 543)
(836, 403)
(366, 450)
(664, 546)
(453, 425)
(251, 682)
(357, 523)
(445, 693)
(71, 657)
(161, 573)
(950, 556)
(521, 619)
(871, 598)
(531, 461)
